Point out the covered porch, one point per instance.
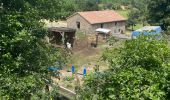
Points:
(62, 35)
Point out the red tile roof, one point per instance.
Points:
(104, 16)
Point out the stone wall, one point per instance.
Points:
(86, 27)
(115, 27)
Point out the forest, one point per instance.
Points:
(138, 69)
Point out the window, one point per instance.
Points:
(119, 30)
(115, 23)
(101, 26)
(78, 25)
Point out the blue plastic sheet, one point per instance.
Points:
(53, 68)
(147, 30)
(73, 69)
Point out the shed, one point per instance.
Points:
(103, 30)
(147, 30)
(62, 35)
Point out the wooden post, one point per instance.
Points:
(97, 39)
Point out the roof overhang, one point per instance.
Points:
(103, 30)
(61, 29)
(107, 22)
(97, 22)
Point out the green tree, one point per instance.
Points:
(159, 12)
(25, 56)
(144, 51)
(88, 5)
(138, 70)
(133, 18)
(142, 7)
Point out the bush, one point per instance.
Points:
(145, 52)
(140, 69)
(68, 78)
(111, 40)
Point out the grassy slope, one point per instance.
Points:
(124, 13)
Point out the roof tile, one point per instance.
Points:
(104, 16)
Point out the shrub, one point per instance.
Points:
(140, 69)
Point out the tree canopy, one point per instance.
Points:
(138, 70)
(25, 56)
(159, 12)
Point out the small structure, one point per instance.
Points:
(103, 30)
(89, 21)
(147, 30)
(62, 35)
(107, 32)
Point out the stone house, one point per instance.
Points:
(89, 21)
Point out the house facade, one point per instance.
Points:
(89, 21)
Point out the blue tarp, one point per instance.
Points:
(147, 30)
(84, 72)
(73, 69)
(53, 68)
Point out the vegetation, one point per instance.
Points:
(133, 18)
(154, 12)
(87, 5)
(159, 12)
(123, 13)
(25, 56)
(138, 70)
(138, 14)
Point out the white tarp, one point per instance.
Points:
(102, 30)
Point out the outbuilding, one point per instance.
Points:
(62, 35)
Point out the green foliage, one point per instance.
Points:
(111, 40)
(24, 54)
(127, 84)
(68, 78)
(53, 94)
(133, 17)
(138, 13)
(116, 6)
(159, 12)
(140, 69)
(146, 51)
(87, 5)
(68, 7)
(120, 2)
(124, 13)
